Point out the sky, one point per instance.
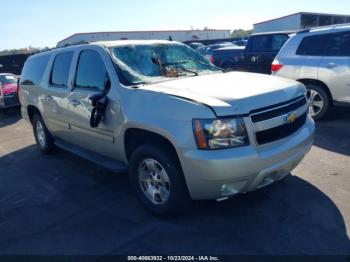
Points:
(40, 23)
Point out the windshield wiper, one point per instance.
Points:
(213, 66)
(188, 70)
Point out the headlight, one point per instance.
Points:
(220, 133)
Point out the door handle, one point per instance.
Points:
(74, 102)
(48, 98)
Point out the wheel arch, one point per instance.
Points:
(319, 83)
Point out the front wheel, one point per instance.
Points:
(158, 181)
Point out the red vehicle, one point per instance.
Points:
(8, 91)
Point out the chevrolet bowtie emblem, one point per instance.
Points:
(291, 117)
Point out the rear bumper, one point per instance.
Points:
(223, 173)
(8, 101)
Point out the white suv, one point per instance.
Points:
(320, 59)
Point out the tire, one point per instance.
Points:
(175, 197)
(43, 138)
(319, 101)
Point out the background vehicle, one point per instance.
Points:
(228, 58)
(320, 59)
(8, 91)
(240, 42)
(207, 51)
(184, 128)
(261, 49)
(196, 45)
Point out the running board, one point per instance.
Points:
(108, 163)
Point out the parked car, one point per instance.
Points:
(228, 58)
(8, 91)
(240, 42)
(207, 51)
(184, 128)
(196, 45)
(261, 49)
(320, 59)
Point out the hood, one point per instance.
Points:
(233, 93)
(11, 88)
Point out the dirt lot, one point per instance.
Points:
(61, 204)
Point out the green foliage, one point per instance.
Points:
(241, 33)
(29, 50)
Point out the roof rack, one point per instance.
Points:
(75, 43)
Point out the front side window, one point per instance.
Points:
(91, 71)
(60, 69)
(338, 44)
(146, 63)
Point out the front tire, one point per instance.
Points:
(42, 135)
(157, 180)
(319, 101)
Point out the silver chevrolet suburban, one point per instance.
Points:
(186, 129)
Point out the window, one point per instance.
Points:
(311, 46)
(308, 21)
(60, 69)
(34, 69)
(91, 71)
(339, 19)
(338, 44)
(278, 41)
(325, 20)
(8, 79)
(261, 43)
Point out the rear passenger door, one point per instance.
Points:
(335, 65)
(91, 77)
(55, 101)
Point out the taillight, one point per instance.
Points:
(276, 67)
(212, 59)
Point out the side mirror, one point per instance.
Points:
(98, 102)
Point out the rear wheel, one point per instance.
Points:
(318, 100)
(42, 135)
(157, 179)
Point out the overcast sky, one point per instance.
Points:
(41, 23)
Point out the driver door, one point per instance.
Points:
(91, 78)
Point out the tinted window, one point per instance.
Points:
(261, 43)
(34, 69)
(311, 45)
(91, 71)
(338, 44)
(61, 68)
(308, 21)
(278, 41)
(325, 20)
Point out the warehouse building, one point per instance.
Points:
(299, 21)
(176, 35)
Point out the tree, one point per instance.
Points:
(240, 33)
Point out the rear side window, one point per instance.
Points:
(60, 69)
(311, 46)
(34, 69)
(335, 44)
(91, 71)
(278, 41)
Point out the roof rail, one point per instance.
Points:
(303, 31)
(75, 43)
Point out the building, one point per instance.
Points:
(300, 21)
(176, 35)
(12, 63)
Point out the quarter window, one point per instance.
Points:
(34, 69)
(60, 69)
(91, 71)
(311, 46)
